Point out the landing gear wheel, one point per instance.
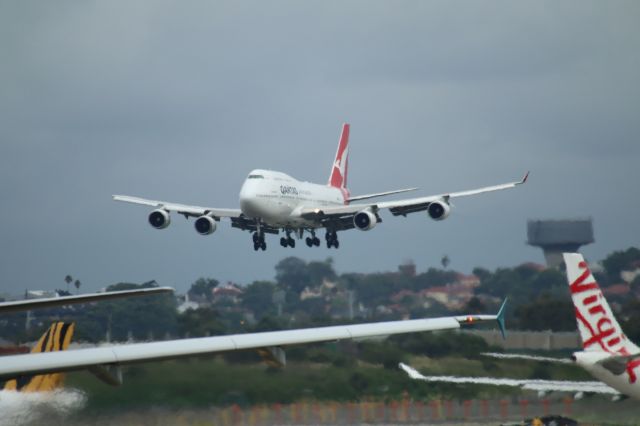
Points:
(258, 241)
(283, 242)
(332, 239)
(291, 242)
(316, 241)
(309, 242)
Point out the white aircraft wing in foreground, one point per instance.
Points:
(105, 361)
(49, 302)
(540, 386)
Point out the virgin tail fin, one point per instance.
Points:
(340, 167)
(599, 329)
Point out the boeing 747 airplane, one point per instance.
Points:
(272, 201)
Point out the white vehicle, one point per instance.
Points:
(105, 361)
(607, 353)
(272, 201)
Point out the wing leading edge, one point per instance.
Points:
(114, 356)
(183, 209)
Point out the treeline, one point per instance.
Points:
(308, 294)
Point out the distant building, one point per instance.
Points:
(227, 293)
(555, 237)
(408, 268)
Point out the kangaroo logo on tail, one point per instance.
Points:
(340, 168)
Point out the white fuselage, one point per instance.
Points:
(277, 199)
(624, 383)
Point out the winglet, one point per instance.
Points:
(500, 318)
(524, 179)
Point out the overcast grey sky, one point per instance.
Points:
(180, 100)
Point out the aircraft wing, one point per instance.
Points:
(183, 209)
(528, 384)
(397, 207)
(108, 358)
(29, 304)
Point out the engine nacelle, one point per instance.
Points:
(159, 219)
(205, 225)
(439, 210)
(365, 220)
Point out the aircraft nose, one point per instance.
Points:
(248, 202)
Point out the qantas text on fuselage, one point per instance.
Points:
(272, 202)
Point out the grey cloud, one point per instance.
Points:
(179, 101)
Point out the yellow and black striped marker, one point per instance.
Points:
(56, 338)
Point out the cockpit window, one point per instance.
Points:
(256, 177)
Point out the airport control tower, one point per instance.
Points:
(558, 236)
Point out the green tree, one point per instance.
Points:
(619, 261)
(203, 287)
(258, 298)
(292, 274)
(200, 322)
(143, 317)
(68, 279)
(546, 313)
(320, 271)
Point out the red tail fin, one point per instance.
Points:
(338, 178)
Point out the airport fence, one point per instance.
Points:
(393, 412)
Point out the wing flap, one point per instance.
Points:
(379, 194)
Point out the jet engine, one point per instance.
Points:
(159, 219)
(205, 225)
(365, 220)
(439, 210)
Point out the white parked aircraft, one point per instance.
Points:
(271, 201)
(105, 362)
(607, 352)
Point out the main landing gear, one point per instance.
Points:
(312, 240)
(258, 241)
(332, 239)
(287, 242)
